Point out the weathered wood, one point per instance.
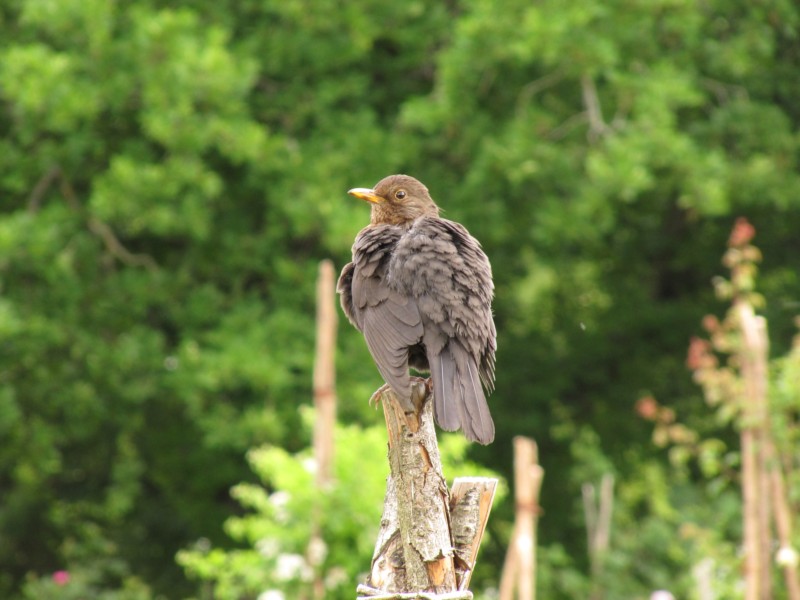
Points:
(471, 501)
(367, 593)
(421, 524)
(388, 571)
(415, 556)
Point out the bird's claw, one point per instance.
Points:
(420, 390)
(375, 399)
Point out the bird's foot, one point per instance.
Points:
(421, 389)
(375, 399)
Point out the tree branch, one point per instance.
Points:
(597, 126)
(529, 90)
(95, 225)
(41, 187)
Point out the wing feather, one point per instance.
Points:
(445, 272)
(390, 320)
(444, 268)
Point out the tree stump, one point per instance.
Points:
(415, 556)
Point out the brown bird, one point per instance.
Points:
(420, 290)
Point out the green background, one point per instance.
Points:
(171, 173)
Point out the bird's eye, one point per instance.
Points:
(400, 194)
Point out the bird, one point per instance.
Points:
(419, 287)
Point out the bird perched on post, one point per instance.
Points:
(420, 290)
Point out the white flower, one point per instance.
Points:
(280, 498)
(310, 465)
(317, 551)
(271, 595)
(291, 567)
(787, 557)
(267, 547)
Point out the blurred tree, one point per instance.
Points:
(171, 173)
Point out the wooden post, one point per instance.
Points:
(519, 569)
(753, 359)
(765, 488)
(471, 501)
(415, 556)
(598, 513)
(421, 503)
(325, 405)
(783, 523)
(325, 374)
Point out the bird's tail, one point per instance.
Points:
(459, 401)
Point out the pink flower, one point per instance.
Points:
(710, 323)
(61, 577)
(700, 355)
(647, 408)
(742, 233)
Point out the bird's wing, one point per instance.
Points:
(441, 266)
(345, 288)
(446, 274)
(390, 321)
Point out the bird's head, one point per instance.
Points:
(397, 200)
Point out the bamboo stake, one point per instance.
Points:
(325, 374)
(755, 372)
(519, 569)
(783, 524)
(753, 357)
(324, 382)
(750, 495)
(598, 514)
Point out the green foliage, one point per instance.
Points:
(285, 512)
(171, 173)
(710, 522)
(98, 573)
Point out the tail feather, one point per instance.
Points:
(444, 374)
(459, 399)
(480, 426)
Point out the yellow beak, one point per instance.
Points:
(366, 194)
